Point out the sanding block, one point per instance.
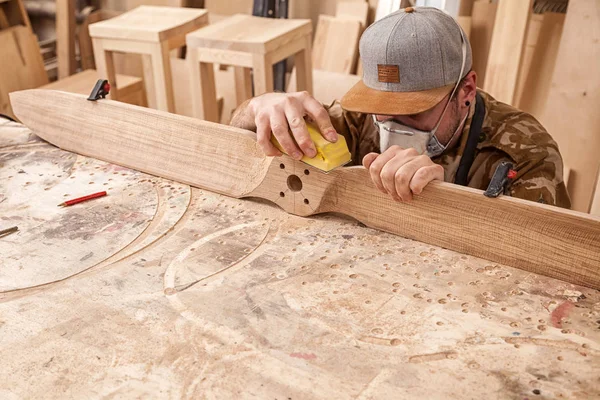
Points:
(329, 155)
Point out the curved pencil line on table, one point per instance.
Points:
(110, 260)
(170, 272)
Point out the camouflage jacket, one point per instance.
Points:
(507, 134)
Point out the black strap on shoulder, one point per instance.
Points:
(468, 156)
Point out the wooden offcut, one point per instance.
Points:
(571, 113)
(353, 9)
(506, 49)
(65, 37)
(22, 66)
(482, 27)
(335, 47)
(538, 238)
(536, 75)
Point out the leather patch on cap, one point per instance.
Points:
(388, 73)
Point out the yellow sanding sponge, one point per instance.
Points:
(329, 155)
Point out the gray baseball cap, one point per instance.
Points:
(411, 59)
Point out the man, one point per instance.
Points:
(417, 116)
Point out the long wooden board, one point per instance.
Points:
(506, 49)
(538, 238)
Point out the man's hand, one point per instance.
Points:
(401, 172)
(281, 112)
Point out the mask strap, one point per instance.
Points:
(460, 76)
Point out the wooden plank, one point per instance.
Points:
(506, 49)
(538, 238)
(13, 13)
(3, 20)
(25, 69)
(335, 47)
(536, 84)
(353, 9)
(465, 24)
(229, 7)
(595, 207)
(328, 86)
(571, 113)
(65, 37)
(531, 40)
(482, 27)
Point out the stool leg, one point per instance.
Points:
(263, 74)
(204, 92)
(163, 81)
(149, 83)
(105, 66)
(243, 85)
(304, 80)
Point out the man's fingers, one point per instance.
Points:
(280, 129)
(378, 164)
(368, 159)
(425, 175)
(263, 136)
(295, 119)
(317, 113)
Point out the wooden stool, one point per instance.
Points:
(151, 32)
(246, 42)
(131, 89)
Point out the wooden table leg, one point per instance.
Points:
(263, 74)
(243, 85)
(105, 66)
(163, 81)
(203, 88)
(304, 80)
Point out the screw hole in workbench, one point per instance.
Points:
(281, 194)
(306, 201)
(306, 172)
(282, 166)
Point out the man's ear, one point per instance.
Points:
(468, 89)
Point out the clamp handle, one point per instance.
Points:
(101, 89)
(502, 176)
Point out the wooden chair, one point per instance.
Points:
(152, 32)
(246, 42)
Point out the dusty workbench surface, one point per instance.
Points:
(162, 290)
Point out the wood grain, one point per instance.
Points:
(538, 238)
(65, 37)
(506, 49)
(22, 66)
(335, 47)
(353, 9)
(150, 24)
(571, 113)
(328, 86)
(595, 207)
(482, 27)
(538, 77)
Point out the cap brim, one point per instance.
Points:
(361, 98)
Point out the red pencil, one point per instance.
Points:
(82, 199)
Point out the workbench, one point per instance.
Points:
(166, 291)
